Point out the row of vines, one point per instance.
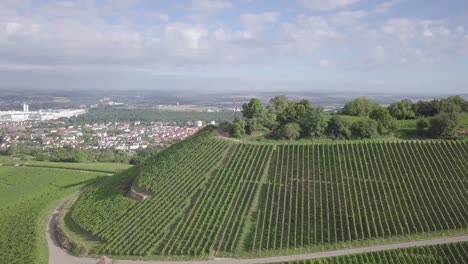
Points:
(331, 193)
(456, 253)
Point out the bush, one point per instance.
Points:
(445, 125)
(290, 131)
(385, 122)
(359, 107)
(366, 128)
(421, 126)
(338, 128)
(402, 110)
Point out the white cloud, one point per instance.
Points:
(324, 63)
(256, 22)
(386, 6)
(328, 4)
(210, 6)
(348, 17)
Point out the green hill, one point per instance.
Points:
(213, 196)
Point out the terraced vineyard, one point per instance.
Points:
(212, 196)
(456, 253)
(331, 193)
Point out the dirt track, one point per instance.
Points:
(58, 256)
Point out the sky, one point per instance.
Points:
(417, 46)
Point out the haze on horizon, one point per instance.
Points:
(258, 45)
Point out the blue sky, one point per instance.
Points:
(314, 45)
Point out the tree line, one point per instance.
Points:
(282, 118)
(71, 154)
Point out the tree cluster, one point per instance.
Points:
(285, 119)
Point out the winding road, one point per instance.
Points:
(57, 255)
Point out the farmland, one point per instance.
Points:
(27, 195)
(456, 253)
(333, 193)
(210, 196)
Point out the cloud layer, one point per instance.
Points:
(136, 36)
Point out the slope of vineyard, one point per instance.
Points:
(331, 193)
(456, 253)
(212, 196)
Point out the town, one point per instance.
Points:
(125, 136)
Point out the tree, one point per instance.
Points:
(252, 109)
(290, 131)
(427, 108)
(421, 126)
(294, 112)
(238, 128)
(338, 128)
(402, 110)
(365, 128)
(453, 104)
(278, 104)
(359, 107)
(314, 123)
(385, 122)
(445, 125)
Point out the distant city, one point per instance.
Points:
(41, 114)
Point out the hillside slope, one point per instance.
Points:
(213, 196)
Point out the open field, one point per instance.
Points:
(95, 166)
(27, 195)
(220, 197)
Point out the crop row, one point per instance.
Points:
(142, 228)
(220, 206)
(456, 253)
(324, 194)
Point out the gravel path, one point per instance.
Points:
(58, 256)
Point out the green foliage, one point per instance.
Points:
(252, 109)
(295, 112)
(366, 128)
(453, 104)
(310, 195)
(104, 203)
(446, 125)
(27, 195)
(97, 167)
(238, 128)
(385, 122)
(148, 115)
(359, 107)
(427, 108)
(290, 131)
(314, 122)
(421, 126)
(338, 128)
(439, 254)
(402, 110)
(322, 194)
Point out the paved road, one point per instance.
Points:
(58, 256)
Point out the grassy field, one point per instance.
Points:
(97, 166)
(88, 166)
(27, 196)
(214, 196)
(456, 253)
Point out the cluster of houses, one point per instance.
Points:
(126, 136)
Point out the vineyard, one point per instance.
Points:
(26, 195)
(456, 253)
(211, 196)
